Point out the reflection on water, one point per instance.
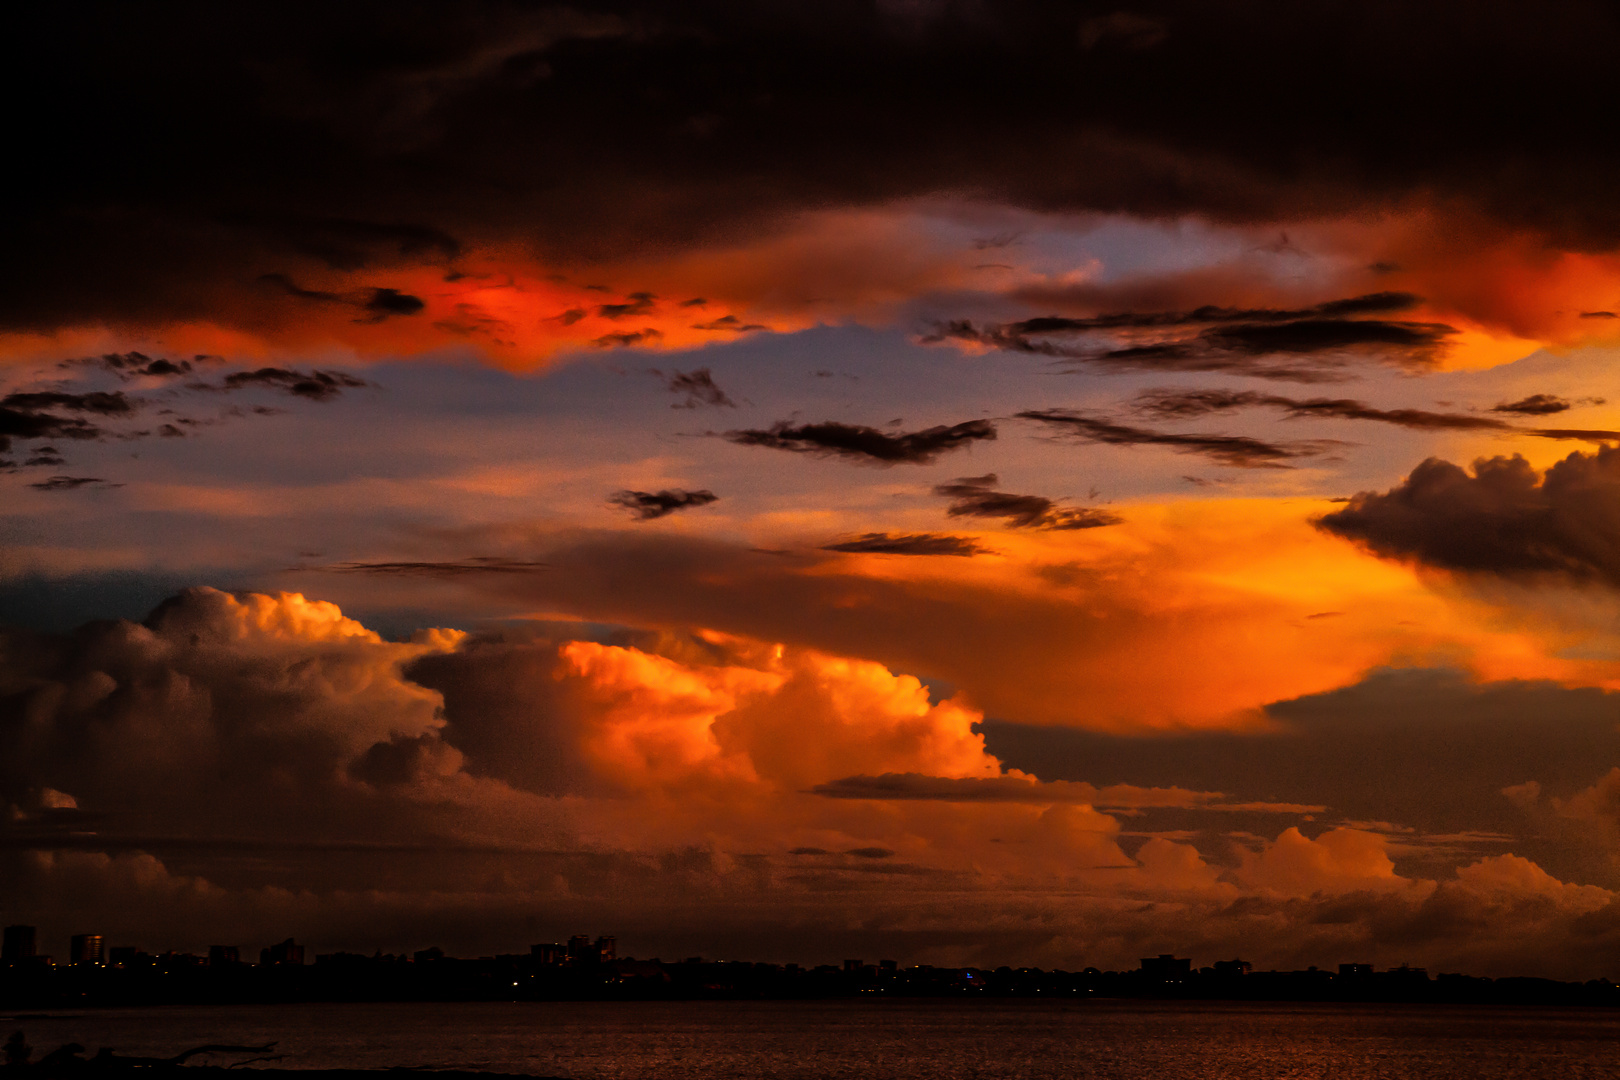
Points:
(885, 1040)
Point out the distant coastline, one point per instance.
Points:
(577, 973)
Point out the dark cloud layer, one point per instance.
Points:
(976, 496)
(856, 442)
(1422, 753)
(1238, 451)
(1187, 404)
(483, 564)
(1303, 344)
(1505, 518)
(104, 403)
(374, 304)
(23, 424)
(647, 505)
(196, 148)
(908, 544)
(70, 483)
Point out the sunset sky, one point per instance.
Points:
(1010, 482)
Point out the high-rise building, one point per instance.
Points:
(87, 949)
(224, 956)
(18, 944)
(548, 955)
(579, 949)
(606, 949)
(288, 952)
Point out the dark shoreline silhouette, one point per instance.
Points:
(548, 974)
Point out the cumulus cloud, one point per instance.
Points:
(867, 445)
(1503, 519)
(245, 766)
(1339, 861)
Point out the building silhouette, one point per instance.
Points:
(548, 955)
(289, 952)
(224, 956)
(1166, 968)
(87, 949)
(18, 945)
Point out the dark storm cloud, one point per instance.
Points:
(648, 505)
(1238, 451)
(1505, 518)
(190, 150)
(976, 496)
(314, 385)
(908, 544)
(698, 386)
(856, 442)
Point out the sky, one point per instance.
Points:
(960, 482)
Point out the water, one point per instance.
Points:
(883, 1040)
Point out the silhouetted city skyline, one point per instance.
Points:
(587, 967)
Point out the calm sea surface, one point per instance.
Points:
(886, 1040)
